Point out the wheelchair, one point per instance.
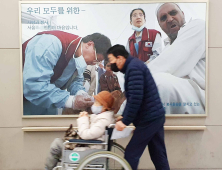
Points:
(96, 159)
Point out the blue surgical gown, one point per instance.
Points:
(42, 53)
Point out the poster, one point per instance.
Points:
(183, 91)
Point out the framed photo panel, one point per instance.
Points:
(63, 49)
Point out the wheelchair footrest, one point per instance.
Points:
(88, 166)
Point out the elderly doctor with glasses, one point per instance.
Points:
(53, 66)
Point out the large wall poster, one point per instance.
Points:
(178, 66)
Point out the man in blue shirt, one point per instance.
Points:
(143, 108)
(53, 66)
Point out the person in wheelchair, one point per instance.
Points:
(91, 126)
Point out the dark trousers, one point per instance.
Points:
(153, 136)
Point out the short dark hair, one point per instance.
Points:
(102, 43)
(117, 50)
(131, 13)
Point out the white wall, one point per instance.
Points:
(27, 150)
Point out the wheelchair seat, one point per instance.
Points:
(82, 141)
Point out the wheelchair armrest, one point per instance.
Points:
(82, 141)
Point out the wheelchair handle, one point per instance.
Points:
(112, 126)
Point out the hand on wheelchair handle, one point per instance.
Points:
(112, 126)
(120, 126)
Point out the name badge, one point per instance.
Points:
(148, 44)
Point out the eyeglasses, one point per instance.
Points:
(96, 55)
(135, 15)
(96, 61)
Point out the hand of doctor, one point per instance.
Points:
(82, 92)
(120, 126)
(81, 102)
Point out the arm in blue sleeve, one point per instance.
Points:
(42, 54)
(76, 85)
(135, 95)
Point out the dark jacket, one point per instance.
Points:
(143, 101)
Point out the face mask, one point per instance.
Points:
(138, 29)
(114, 67)
(80, 64)
(96, 109)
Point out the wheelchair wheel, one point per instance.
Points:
(104, 154)
(57, 168)
(111, 163)
(118, 147)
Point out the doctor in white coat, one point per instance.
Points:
(179, 71)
